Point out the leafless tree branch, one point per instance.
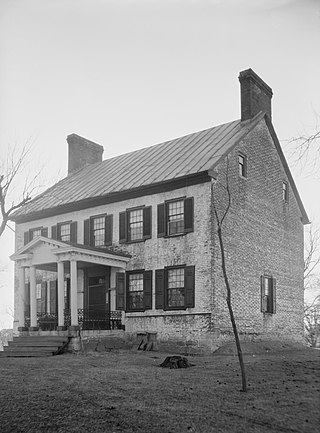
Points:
(11, 167)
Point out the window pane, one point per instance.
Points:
(242, 166)
(135, 291)
(99, 231)
(65, 232)
(175, 289)
(136, 224)
(176, 217)
(35, 233)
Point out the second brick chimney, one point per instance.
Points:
(82, 152)
(255, 95)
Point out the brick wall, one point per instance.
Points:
(262, 234)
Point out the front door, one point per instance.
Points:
(96, 316)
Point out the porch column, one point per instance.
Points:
(60, 294)
(73, 292)
(22, 298)
(33, 299)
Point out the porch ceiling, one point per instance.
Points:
(44, 253)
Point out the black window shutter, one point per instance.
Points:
(159, 288)
(122, 227)
(73, 231)
(86, 234)
(161, 220)
(147, 222)
(189, 279)
(147, 290)
(120, 290)
(188, 215)
(25, 238)
(44, 232)
(108, 230)
(54, 232)
(263, 302)
(274, 295)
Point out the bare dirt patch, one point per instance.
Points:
(127, 391)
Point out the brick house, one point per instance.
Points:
(129, 244)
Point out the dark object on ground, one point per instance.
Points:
(148, 341)
(176, 362)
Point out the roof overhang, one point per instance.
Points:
(42, 251)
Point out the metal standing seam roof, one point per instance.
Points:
(180, 157)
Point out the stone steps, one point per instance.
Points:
(34, 346)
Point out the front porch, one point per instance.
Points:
(66, 286)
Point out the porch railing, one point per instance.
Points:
(87, 319)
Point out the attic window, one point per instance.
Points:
(285, 191)
(242, 166)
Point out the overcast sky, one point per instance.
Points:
(132, 73)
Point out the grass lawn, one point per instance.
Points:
(127, 391)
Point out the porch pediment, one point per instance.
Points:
(42, 251)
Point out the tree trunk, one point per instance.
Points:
(234, 326)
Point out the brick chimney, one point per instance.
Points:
(255, 95)
(82, 152)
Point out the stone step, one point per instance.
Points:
(27, 346)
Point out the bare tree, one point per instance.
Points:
(220, 220)
(312, 322)
(312, 255)
(306, 146)
(312, 283)
(16, 184)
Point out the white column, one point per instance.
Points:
(33, 299)
(60, 294)
(73, 293)
(22, 296)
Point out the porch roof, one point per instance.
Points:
(45, 253)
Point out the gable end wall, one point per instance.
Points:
(262, 234)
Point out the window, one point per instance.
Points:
(175, 217)
(134, 290)
(65, 232)
(175, 288)
(135, 224)
(242, 166)
(98, 230)
(35, 232)
(268, 294)
(285, 192)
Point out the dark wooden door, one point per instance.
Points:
(96, 316)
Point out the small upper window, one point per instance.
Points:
(285, 191)
(242, 166)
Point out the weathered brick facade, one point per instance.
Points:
(262, 235)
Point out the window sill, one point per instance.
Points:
(175, 235)
(138, 241)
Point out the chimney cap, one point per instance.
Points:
(249, 73)
(77, 138)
